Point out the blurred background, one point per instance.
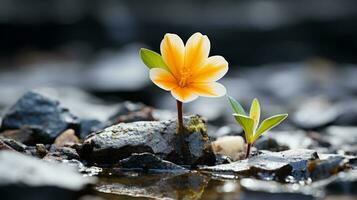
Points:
(295, 56)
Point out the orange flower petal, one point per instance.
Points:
(163, 78)
(197, 50)
(173, 52)
(184, 94)
(214, 69)
(212, 89)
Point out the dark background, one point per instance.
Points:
(284, 52)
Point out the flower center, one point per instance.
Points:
(185, 76)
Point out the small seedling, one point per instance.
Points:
(250, 123)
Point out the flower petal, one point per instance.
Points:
(214, 69)
(212, 89)
(197, 50)
(184, 94)
(162, 78)
(173, 52)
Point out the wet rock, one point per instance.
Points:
(67, 138)
(268, 165)
(268, 143)
(34, 179)
(327, 165)
(131, 112)
(157, 137)
(150, 163)
(268, 190)
(44, 116)
(164, 186)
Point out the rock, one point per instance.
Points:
(291, 139)
(342, 138)
(268, 143)
(41, 150)
(59, 154)
(131, 112)
(158, 137)
(89, 126)
(343, 183)
(315, 113)
(150, 163)
(268, 165)
(34, 179)
(4, 146)
(67, 138)
(269, 190)
(13, 144)
(44, 116)
(23, 135)
(327, 165)
(163, 186)
(232, 147)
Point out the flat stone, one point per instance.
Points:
(34, 179)
(268, 165)
(44, 116)
(158, 137)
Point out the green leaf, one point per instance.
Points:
(237, 108)
(255, 112)
(152, 59)
(247, 124)
(268, 124)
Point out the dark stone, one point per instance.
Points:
(89, 126)
(58, 154)
(326, 166)
(268, 143)
(149, 163)
(158, 137)
(268, 165)
(13, 144)
(44, 116)
(131, 112)
(24, 177)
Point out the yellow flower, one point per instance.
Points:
(190, 72)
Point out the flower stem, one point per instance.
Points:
(180, 117)
(248, 151)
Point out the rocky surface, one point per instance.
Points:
(44, 116)
(268, 165)
(158, 137)
(34, 179)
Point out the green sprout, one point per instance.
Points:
(250, 123)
